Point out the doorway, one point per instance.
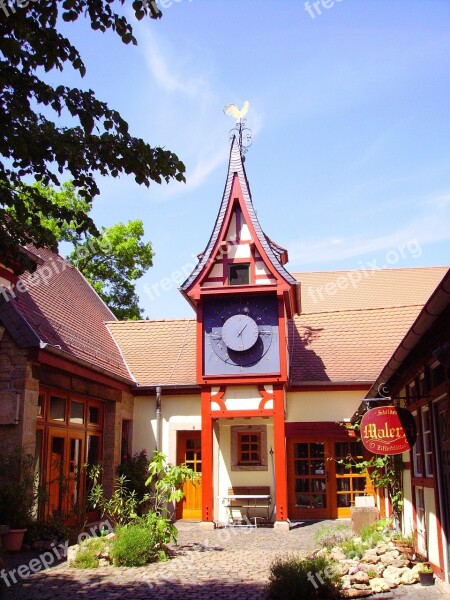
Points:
(189, 453)
(321, 485)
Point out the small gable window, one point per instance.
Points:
(239, 274)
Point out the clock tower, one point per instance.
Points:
(243, 297)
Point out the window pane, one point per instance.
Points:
(301, 450)
(317, 450)
(77, 412)
(40, 405)
(239, 274)
(93, 453)
(57, 408)
(94, 415)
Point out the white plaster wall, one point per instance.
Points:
(178, 413)
(431, 525)
(408, 523)
(322, 405)
(228, 478)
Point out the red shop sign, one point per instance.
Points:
(388, 430)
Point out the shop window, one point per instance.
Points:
(417, 451)
(57, 409)
(427, 445)
(239, 274)
(249, 448)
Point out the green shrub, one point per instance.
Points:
(89, 553)
(135, 470)
(328, 536)
(353, 549)
(293, 578)
(46, 530)
(135, 546)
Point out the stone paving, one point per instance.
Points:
(228, 564)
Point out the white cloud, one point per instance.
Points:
(432, 226)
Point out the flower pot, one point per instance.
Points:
(12, 541)
(426, 578)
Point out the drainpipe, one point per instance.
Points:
(158, 418)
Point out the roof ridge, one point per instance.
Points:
(349, 310)
(180, 320)
(369, 270)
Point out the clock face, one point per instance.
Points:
(240, 332)
(241, 335)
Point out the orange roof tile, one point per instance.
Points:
(62, 310)
(345, 334)
(158, 352)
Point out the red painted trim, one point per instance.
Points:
(238, 214)
(65, 365)
(207, 458)
(247, 289)
(407, 466)
(244, 414)
(280, 456)
(214, 280)
(282, 339)
(199, 343)
(327, 428)
(224, 380)
(265, 397)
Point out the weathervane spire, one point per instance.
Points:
(240, 131)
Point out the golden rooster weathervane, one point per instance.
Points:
(244, 135)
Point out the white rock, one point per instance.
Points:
(379, 585)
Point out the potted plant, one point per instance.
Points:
(18, 497)
(426, 575)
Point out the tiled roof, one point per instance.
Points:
(348, 333)
(158, 352)
(346, 337)
(61, 309)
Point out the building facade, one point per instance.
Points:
(418, 378)
(253, 392)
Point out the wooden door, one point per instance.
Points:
(310, 489)
(189, 453)
(321, 485)
(57, 459)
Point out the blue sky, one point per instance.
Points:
(349, 110)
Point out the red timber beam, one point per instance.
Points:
(280, 459)
(207, 460)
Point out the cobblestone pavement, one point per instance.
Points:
(229, 564)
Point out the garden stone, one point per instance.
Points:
(337, 555)
(381, 548)
(394, 573)
(359, 577)
(345, 581)
(409, 577)
(104, 563)
(361, 586)
(371, 559)
(352, 593)
(378, 585)
(389, 557)
(71, 553)
(341, 568)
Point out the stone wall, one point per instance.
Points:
(19, 391)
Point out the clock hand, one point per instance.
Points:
(240, 333)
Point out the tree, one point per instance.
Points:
(111, 261)
(34, 145)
